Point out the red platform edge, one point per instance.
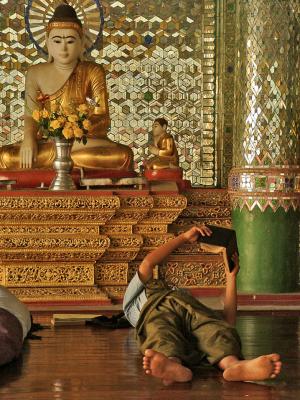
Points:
(32, 178)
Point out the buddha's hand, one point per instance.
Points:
(28, 153)
(153, 150)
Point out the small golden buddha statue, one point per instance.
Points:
(163, 148)
(65, 79)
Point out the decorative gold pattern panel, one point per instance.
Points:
(61, 294)
(146, 229)
(207, 212)
(47, 274)
(59, 204)
(111, 273)
(160, 58)
(2, 275)
(207, 272)
(16, 230)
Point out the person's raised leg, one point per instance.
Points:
(168, 369)
(257, 369)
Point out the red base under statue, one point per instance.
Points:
(33, 178)
(168, 174)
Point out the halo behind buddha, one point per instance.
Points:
(41, 13)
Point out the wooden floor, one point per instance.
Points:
(83, 363)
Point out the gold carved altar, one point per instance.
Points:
(84, 246)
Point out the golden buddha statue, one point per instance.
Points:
(163, 149)
(65, 79)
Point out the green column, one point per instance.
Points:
(264, 183)
(268, 245)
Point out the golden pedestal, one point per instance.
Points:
(66, 247)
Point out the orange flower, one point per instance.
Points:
(73, 118)
(45, 113)
(68, 132)
(55, 124)
(78, 132)
(87, 124)
(36, 115)
(83, 109)
(62, 120)
(54, 107)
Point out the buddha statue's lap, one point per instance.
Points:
(66, 81)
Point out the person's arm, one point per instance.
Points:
(158, 255)
(230, 298)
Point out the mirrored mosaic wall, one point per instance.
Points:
(268, 83)
(160, 58)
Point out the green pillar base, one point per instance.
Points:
(269, 250)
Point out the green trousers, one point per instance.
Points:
(176, 324)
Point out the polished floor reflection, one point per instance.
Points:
(84, 363)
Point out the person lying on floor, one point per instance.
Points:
(175, 332)
(15, 323)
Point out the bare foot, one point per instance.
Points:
(258, 369)
(167, 369)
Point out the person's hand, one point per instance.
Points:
(195, 232)
(28, 153)
(235, 270)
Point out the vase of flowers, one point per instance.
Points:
(63, 126)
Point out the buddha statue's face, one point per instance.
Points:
(64, 45)
(158, 129)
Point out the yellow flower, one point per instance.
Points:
(54, 107)
(36, 115)
(73, 118)
(83, 108)
(87, 124)
(45, 113)
(55, 124)
(68, 110)
(62, 120)
(78, 132)
(68, 132)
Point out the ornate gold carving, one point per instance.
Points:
(111, 273)
(132, 209)
(129, 216)
(125, 241)
(156, 240)
(183, 223)
(58, 204)
(62, 242)
(132, 268)
(150, 228)
(2, 275)
(208, 197)
(136, 201)
(175, 201)
(110, 229)
(46, 216)
(206, 272)
(115, 293)
(51, 255)
(164, 216)
(41, 294)
(47, 274)
(121, 255)
(17, 230)
(207, 212)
